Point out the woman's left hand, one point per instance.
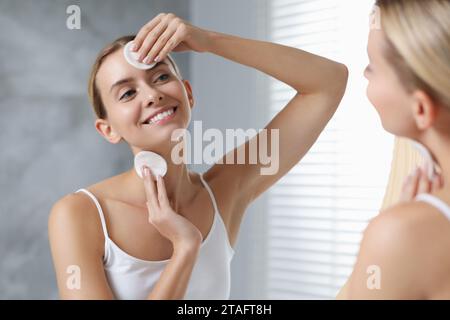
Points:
(166, 33)
(418, 182)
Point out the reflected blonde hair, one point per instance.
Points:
(418, 44)
(93, 91)
(417, 34)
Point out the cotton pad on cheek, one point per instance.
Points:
(132, 58)
(153, 161)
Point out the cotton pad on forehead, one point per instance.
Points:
(132, 58)
(152, 160)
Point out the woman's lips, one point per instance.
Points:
(163, 117)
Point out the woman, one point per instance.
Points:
(173, 239)
(404, 253)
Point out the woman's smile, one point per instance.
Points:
(161, 117)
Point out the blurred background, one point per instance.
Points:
(298, 241)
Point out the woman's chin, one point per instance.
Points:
(167, 134)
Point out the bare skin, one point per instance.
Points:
(74, 226)
(410, 241)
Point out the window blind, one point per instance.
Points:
(318, 211)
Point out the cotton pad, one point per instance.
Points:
(132, 58)
(431, 164)
(153, 161)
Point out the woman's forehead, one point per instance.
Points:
(375, 44)
(115, 67)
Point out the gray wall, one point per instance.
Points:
(49, 146)
(230, 96)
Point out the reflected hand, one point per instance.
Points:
(418, 182)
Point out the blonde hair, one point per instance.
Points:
(417, 34)
(93, 91)
(418, 44)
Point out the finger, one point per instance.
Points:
(150, 189)
(162, 193)
(159, 45)
(410, 186)
(436, 183)
(424, 182)
(151, 38)
(143, 32)
(171, 44)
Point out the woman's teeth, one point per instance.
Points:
(161, 115)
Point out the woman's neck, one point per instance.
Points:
(179, 186)
(439, 146)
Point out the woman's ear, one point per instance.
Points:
(106, 131)
(188, 87)
(424, 110)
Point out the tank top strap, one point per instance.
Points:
(211, 194)
(435, 202)
(99, 208)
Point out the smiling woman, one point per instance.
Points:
(184, 225)
(94, 95)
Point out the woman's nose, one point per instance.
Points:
(153, 97)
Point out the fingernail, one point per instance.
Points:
(134, 47)
(146, 60)
(146, 172)
(157, 59)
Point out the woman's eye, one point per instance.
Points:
(127, 94)
(163, 77)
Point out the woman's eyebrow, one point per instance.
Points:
(122, 81)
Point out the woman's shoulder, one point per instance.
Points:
(413, 215)
(73, 209)
(104, 189)
(79, 201)
(75, 233)
(411, 241)
(414, 229)
(76, 214)
(80, 205)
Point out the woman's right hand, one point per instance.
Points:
(166, 33)
(418, 182)
(180, 231)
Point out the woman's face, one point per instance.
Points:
(144, 107)
(391, 100)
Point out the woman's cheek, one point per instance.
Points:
(373, 96)
(392, 108)
(379, 99)
(130, 113)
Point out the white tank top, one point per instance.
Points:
(435, 202)
(133, 278)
